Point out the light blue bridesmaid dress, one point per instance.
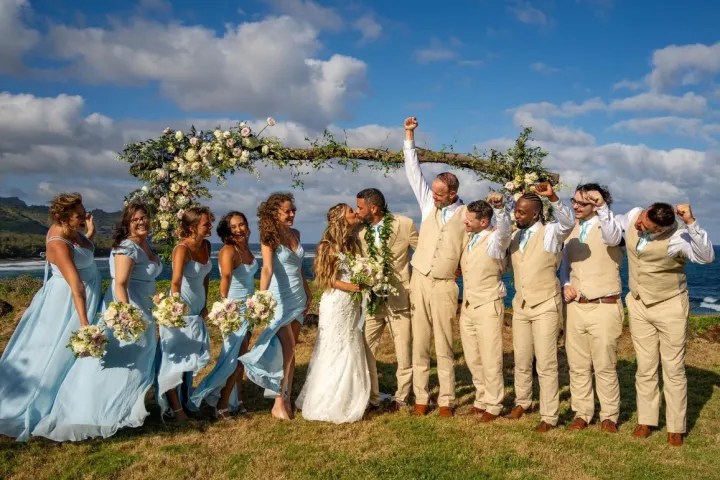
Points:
(264, 363)
(184, 351)
(242, 285)
(101, 395)
(36, 359)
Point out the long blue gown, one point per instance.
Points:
(184, 351)
(264, 363)
(242, 285)
(36, 359)
(100, 396)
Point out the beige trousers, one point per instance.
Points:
(481, 334)
(434, 306)
(535, 332)
(591, 340)
(400, 330)
(659, 334)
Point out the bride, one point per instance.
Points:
(337, 388)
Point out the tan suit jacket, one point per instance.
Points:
(404, 237)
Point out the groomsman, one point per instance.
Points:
(537, 305)
(590, 275)
(433, 291)
(658, 305)
(396, 234)
(483, 308)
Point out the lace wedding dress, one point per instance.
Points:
(337, 387)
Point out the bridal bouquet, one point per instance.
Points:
(88, 341)
(125, 320)
(260, 309)
(225, 314)
(170, 310)
(367, 273)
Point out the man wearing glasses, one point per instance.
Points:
(658, 303)
(590, 275)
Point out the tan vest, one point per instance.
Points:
(653, 275)
(594, 266)
(482, 275)
(440, 246)
(534, 270)
(402, 239)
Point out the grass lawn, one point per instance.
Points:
(387, 445)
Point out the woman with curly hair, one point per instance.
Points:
(337, 388)
(222, 388)
(101, 395)
(185, 351)
(271, 362)
(35, 360)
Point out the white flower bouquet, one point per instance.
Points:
(225, 314)
(88, 341)
(125, 320)
(260, 309)
(170, 310)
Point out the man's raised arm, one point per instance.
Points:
(420, 187)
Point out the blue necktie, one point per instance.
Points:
(443, 211)
(642, 243)
(473, 240)
(524, 237)
(584, 227)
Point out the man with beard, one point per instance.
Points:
(483, 309)
(537, 305)
(658, 304)
(387, 238)
(433, 291)
(590, 275)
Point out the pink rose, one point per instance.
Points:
(230, 142)
(237, 151)
(194, 141)
(245, 132)
(271, 122)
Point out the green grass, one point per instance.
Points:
(387, 446)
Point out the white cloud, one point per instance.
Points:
(688, 103)
(524, 12)
(260, 68)
(369, 28)
(684, 65)
(545, 131)
(323, 18)
(16, 39)
(437, 52)
(565, 109)
(670, 125)
(629, 84)
(543, 68)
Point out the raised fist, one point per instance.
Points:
(496, 200)
(595, 198)
(411, 123)
(544, 189)
(684, 211)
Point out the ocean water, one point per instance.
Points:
(703, 280)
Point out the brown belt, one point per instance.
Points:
(608, 299)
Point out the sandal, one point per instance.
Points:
(222, 414)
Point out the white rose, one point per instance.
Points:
(182, 169)
(179, 135)
(245, 156)
(217, 134)
(242, 124)
(510, 186)
(531, 177)
(145, 188)
(226, 134)
(191, 154)
(517, 196)
(196, 166)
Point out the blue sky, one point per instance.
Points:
(619, 92)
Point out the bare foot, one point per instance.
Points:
(278, 411)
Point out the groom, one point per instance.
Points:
(388, 238)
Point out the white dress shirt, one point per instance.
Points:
(499, 240)
(556, 231)
(420, 186)
(689, 241)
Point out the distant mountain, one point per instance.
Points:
(23, 227)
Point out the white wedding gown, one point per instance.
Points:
(337, 387)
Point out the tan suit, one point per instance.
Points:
(537, 310)
(481, 320)
(593, 329)
(394, 311)
(658, 307)
(434, 300)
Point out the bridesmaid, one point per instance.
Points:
(99, 396)
(222, 388)
(184, 351)
(35, 360)
(271, 362)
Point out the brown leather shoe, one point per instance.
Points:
(516, 413)
(445, 412)
(675, 439)
(641, 431)
(544, 427)
(608, 426)
(476, 411)
(487, 417)
(395, 407)
(577, 424)
(420, 409)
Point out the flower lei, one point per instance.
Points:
(374, 301)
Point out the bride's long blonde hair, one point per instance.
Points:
(338, 237)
